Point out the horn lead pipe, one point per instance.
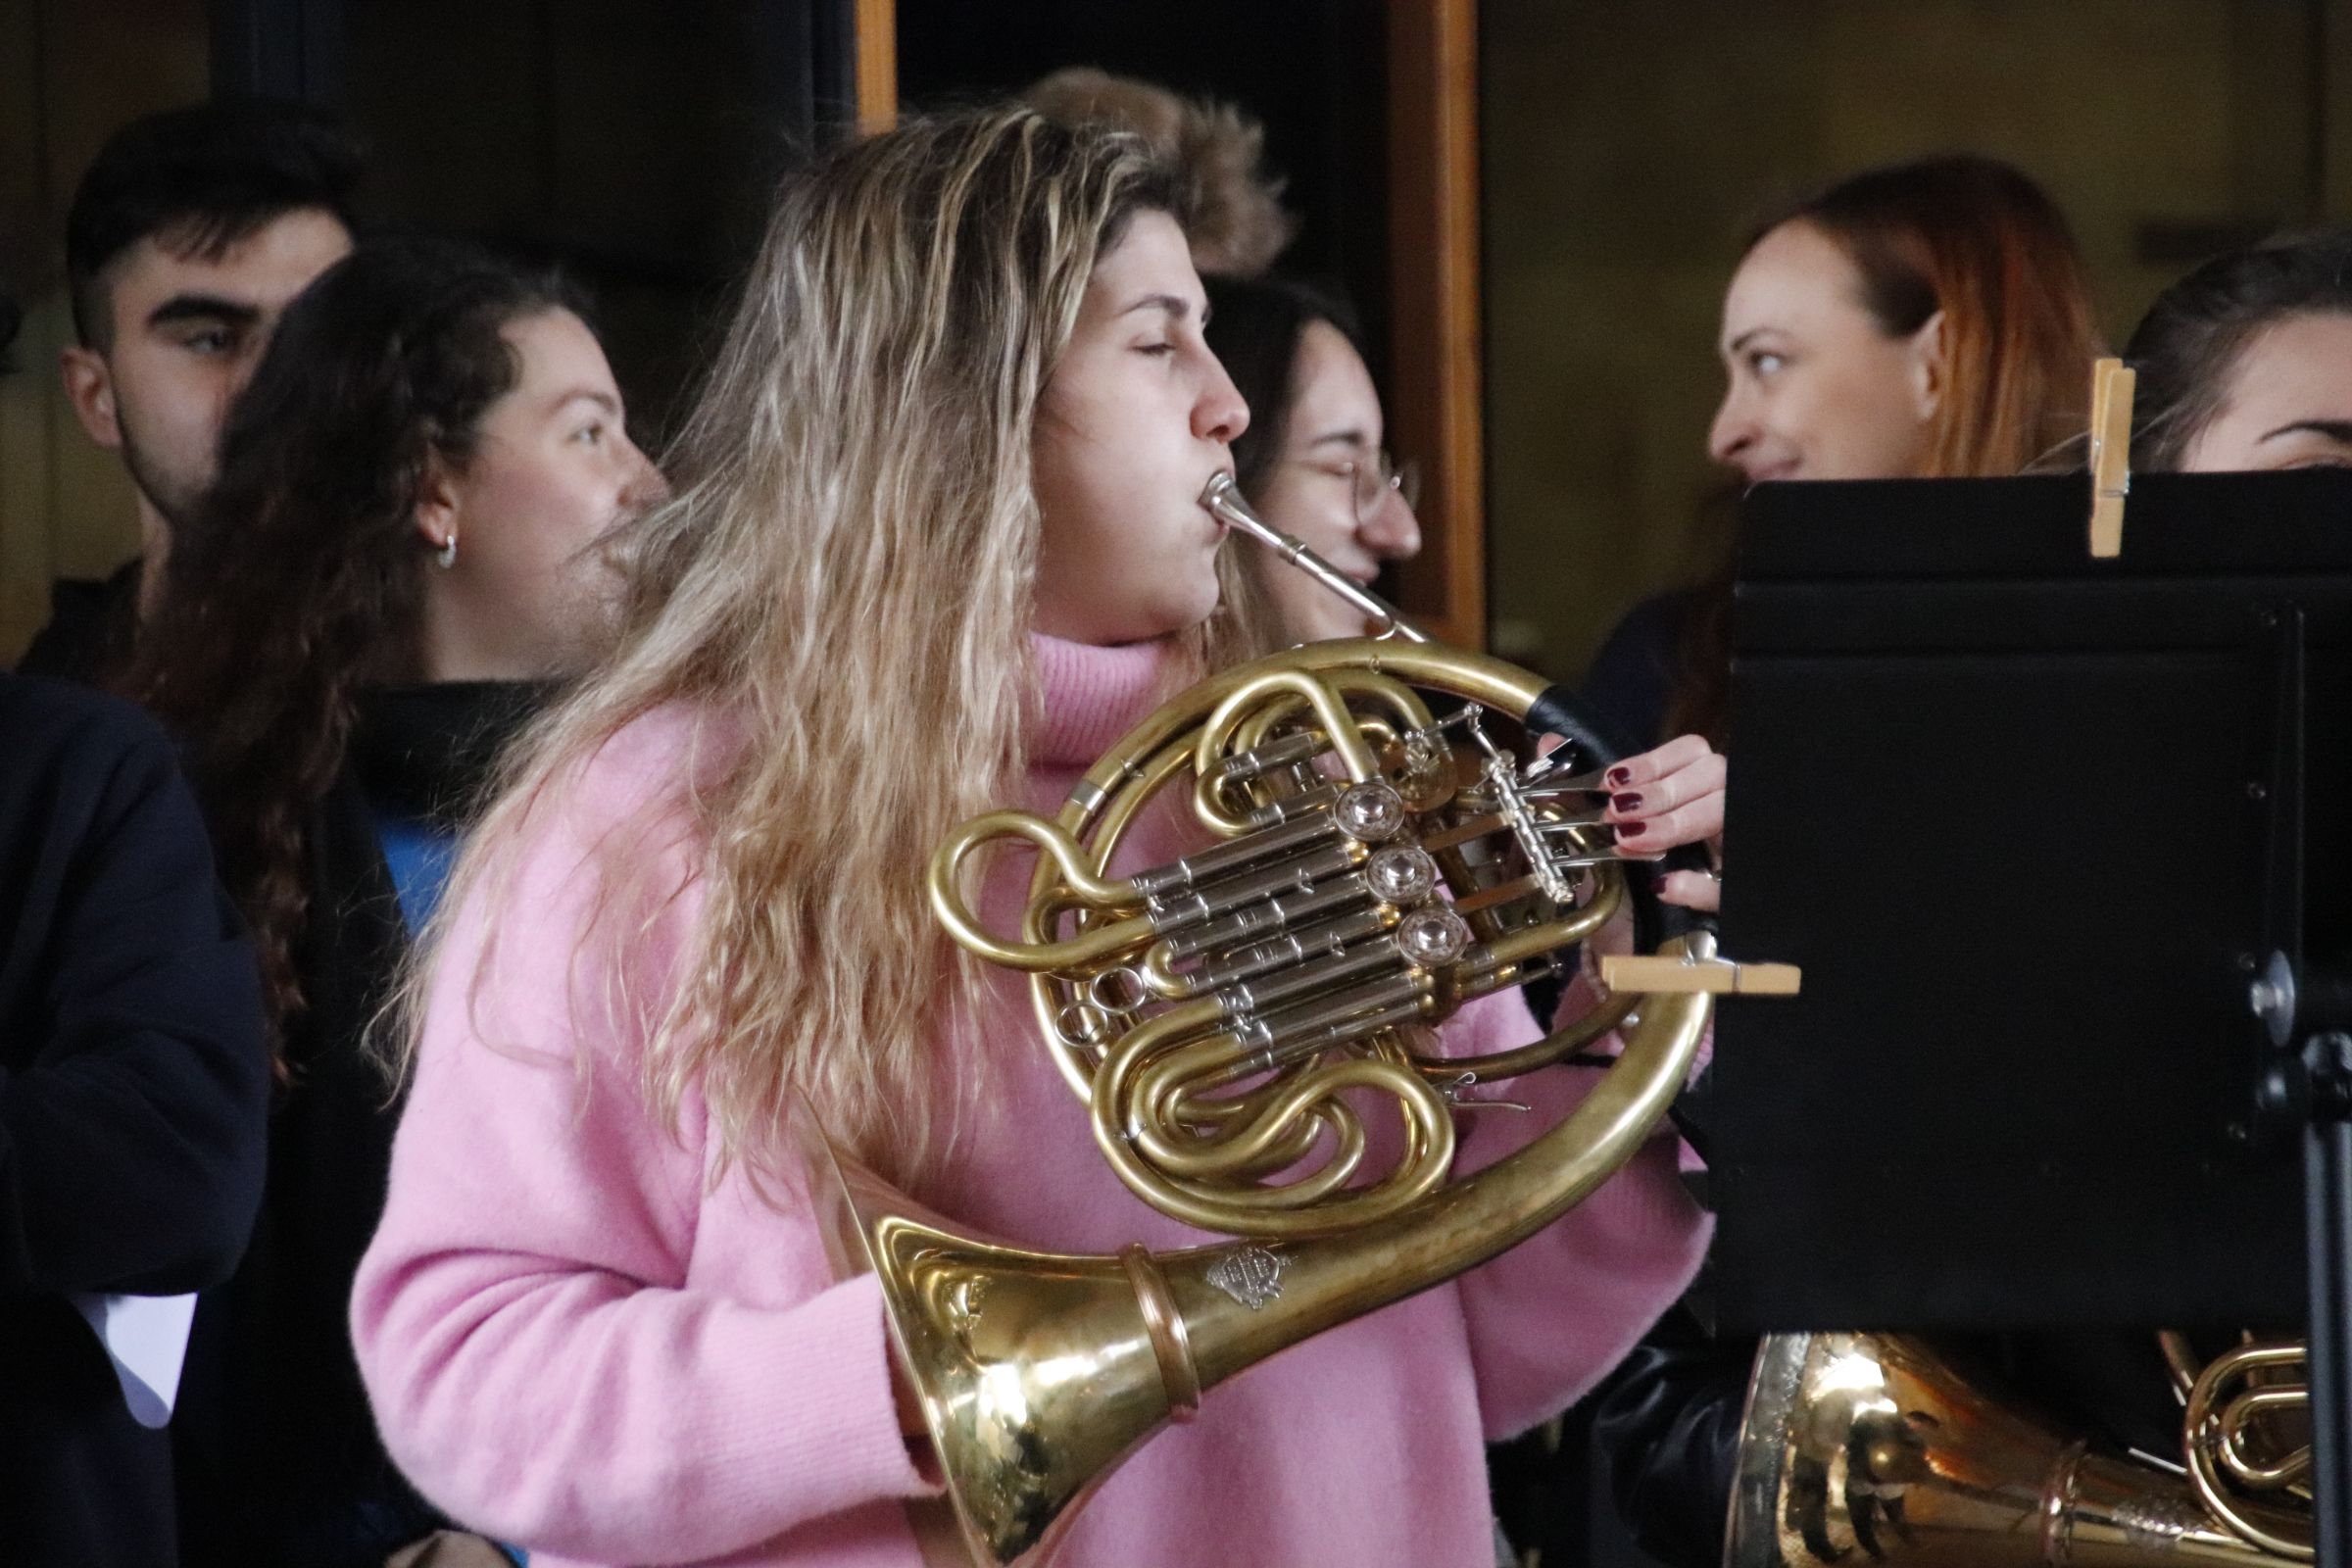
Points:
(1223, 499)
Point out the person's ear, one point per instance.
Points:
(90, 388)
(1930, 368)
(439, 506)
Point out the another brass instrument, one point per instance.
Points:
(1875, 1449)
(2246, 1435)
(1232, 1018)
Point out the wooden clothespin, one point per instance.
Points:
(1627, 973)
(2111, 388)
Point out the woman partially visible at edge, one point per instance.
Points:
(395, 559)
(1314, 460)
(936, 544)
(1928, 320)
(2246, 364)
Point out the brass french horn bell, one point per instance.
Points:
(1869, 1448)
(1232, 1019)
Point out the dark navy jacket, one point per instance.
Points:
(133, 1091)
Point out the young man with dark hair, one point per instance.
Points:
(190, 233)
(133, 1086)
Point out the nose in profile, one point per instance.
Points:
(1734, 431)
(647, 488)
(1392, 532)
(1219, 414)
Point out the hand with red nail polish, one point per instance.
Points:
(1669, 797)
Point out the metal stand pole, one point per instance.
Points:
(2328, 1219)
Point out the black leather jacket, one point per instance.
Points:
(1666, 1429)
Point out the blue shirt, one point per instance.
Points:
(420, 854)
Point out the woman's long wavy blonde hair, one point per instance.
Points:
(845, 571)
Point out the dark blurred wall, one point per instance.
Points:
(1314, 70)
(635, 142)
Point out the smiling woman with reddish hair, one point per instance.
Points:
(1928, 320)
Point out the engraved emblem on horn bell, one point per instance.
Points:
(2158, 1522)
(966, 1300)
(1252, 1275)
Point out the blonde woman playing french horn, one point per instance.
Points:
(935, 544)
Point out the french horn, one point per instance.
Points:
(1861, 1449)
(1372, 863)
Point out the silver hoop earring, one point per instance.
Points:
(447, 555)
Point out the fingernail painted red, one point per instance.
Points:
(1626, 803)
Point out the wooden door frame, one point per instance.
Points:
(877, 65)
(1435, 387)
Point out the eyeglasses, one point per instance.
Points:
(1375, 481)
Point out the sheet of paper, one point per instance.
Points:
(146, 1338)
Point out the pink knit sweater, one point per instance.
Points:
(576, 1340)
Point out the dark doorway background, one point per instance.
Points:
(632, 144)
(1314, 70)
(636, 143)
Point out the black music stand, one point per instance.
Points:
(2036, 827)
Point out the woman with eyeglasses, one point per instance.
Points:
(1312, 459)
(1313, 462)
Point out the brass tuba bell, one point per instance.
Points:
(1231, 1016)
